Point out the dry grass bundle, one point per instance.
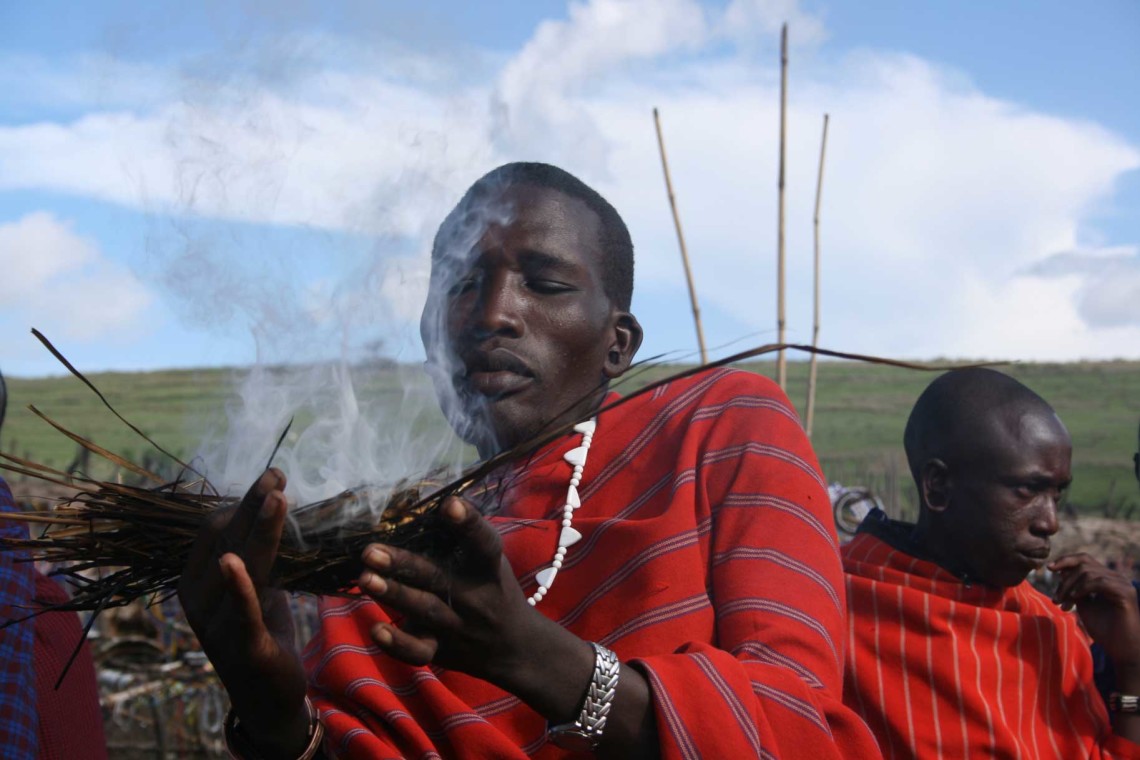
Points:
(116, 543)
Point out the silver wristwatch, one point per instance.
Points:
(584, 734)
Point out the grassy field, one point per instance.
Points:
(860, 413)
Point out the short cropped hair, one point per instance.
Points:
(616, 244)
(956, 411)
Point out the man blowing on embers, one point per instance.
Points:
(952, 653)
(670, 567)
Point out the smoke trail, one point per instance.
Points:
(395, 428)
(452, 251)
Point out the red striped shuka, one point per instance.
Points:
(708, 561)
(940, 668)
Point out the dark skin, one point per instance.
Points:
(537, 339)
(534, 335)
(990, 502)
(991, 517)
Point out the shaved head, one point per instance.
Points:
(963, 414)
(991, 460)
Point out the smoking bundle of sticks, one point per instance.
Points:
(115, 542)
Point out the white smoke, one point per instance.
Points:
(350, 428)
(364, 426)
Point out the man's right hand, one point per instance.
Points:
(244, 624)
(1107, 604)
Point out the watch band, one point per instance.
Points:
(1123, 703)
(584, 734)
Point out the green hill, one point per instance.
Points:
(860, 413)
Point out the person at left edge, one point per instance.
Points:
(36, 719)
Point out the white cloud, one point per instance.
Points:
(63, 284)
(1113, 300)
(1108, 292)
(935, 196)
(939, 200)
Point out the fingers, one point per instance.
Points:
(425, 611)
(264, 537)
(247, 512)
(249, 528)
(447, 609)
(479, 542)
(1083, 578)
(1070, 561)
(412, 649)
(411, 585)
(201, 580)
(245, 598)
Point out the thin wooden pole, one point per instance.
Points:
(781, 360)
(815, 315)
(681, 240)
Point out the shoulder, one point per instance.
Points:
(719, 387)
(870, 561)
(863, 551)
(727, 381)
(731, 402)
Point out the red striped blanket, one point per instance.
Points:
(941, 669)
(708, 559)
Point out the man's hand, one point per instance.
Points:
(1106, 603)
(472, 617)
(244, 625)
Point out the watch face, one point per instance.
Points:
(572, 738)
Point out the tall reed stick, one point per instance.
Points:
(815, 315)
(681, 240)
(781, 360)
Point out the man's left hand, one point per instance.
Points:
(1106, 602)
(472, 617)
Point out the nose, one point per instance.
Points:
(497, 310)
(1045, 520)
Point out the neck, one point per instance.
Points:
(927, 539)
(497, 443)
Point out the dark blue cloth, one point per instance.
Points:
(17, 673)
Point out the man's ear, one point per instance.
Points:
(936, 485)
(627, 335)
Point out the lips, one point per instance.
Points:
(496, 373)
(1038, 554)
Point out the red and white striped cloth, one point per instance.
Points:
(708, 559)
(941, 669)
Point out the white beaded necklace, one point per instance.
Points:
(568, 536)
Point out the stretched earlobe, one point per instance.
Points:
(627, 335)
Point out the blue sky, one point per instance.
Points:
(233, 181)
